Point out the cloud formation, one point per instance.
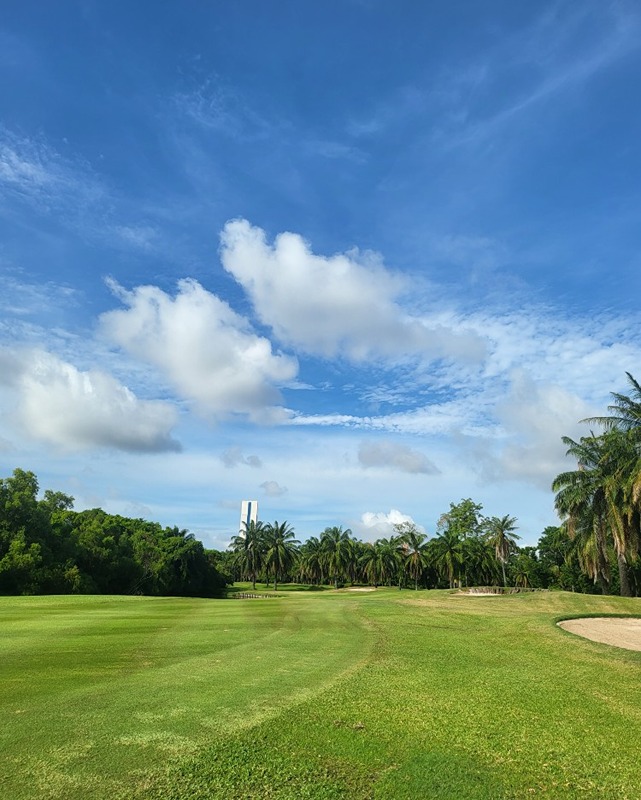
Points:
(378, 525)
(534, 418)
(234, 457)
(31, 171)
(273, 489)
(344, 304)
(63, 406)
(396, 456)
(206, 351)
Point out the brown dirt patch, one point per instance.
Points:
(620, 632)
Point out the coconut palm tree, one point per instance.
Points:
(390, 553)
(415, 553)
(522, 570)
(447, 554)
(311, 561)
(479, 562)
(370, 564)
(600, 501)
(625, 411)
(581, 502)
(623, 485)
(281, 550)
(249, 549)
(337, 547)
(621, 474)
(501, 537)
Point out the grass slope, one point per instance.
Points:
(315, 695)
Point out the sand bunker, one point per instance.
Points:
(620, 632)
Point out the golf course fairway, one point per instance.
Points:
(334, 694)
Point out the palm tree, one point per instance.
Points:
(369, 563)
(501, 537)
(337, 547)
(622, 456)
(249, 549)
(311, 561)
(621, 472)
(479, 562)
(281, 550)
(390, 558)
(447, 552)
(600, 502)
(523, 570)
(581, 501)
(625, 410)
(415, 552)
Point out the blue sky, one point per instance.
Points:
(356, 260)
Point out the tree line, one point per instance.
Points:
(469, 549)
(47, 548)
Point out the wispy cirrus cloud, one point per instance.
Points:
(216, 105)
(22, 297)
(55, 182)
(471, 100)
(543, 373)
(34, 172)
(143, 237)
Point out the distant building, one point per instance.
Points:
(248, 513)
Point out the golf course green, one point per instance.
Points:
(334, 694)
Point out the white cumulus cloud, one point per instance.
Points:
(344, 304)
(378, 525)
(209, 353)
(61, 405)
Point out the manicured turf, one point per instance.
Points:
(315, 695)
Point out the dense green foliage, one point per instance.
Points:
(374, 695)
(47, 548)
(600, 500)
(468, 550)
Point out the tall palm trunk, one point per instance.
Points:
(624, 580)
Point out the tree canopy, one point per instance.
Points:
(47, 548)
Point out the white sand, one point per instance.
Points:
(624, 633)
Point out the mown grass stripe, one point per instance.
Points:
(330, 695)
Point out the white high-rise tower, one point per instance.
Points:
(248, 513)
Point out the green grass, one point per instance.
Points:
(315, 695)
(263, 588)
